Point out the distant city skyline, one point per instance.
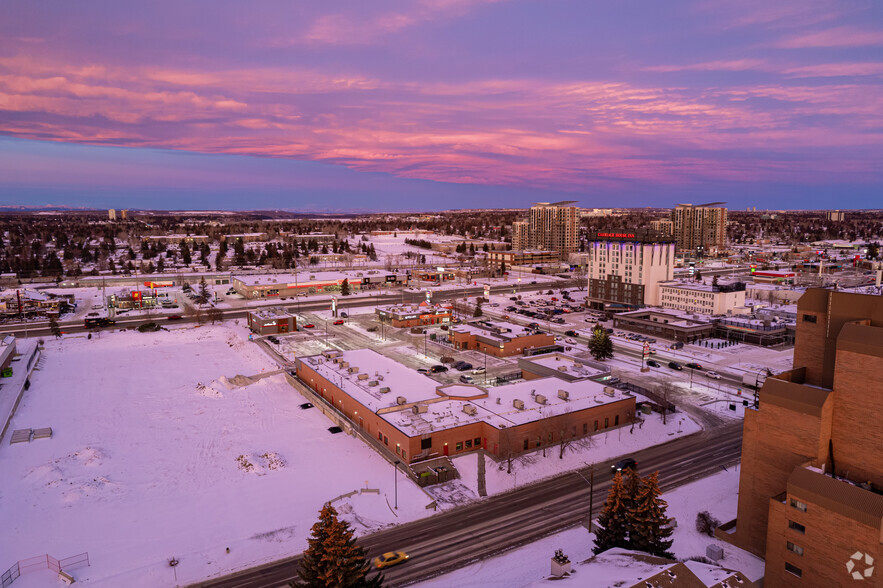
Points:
(439, 104)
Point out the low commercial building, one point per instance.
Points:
(290, 285)
(409, 315)
(24, 303)
(271, 321)
(188, 239)
(562, 366)
(693, 296)
(498, 338)
(415, 418)
(522, 257)
(666, 324)
(773, 277)
(745, 329)
(245, 237)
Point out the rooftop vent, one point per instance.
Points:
(384, 390)
(401, 400)
(419, 408)
(373, 382)
(609, 391)
(563, 394)
(354, 370)
(519, 404)
(562, 368)
(470, 410)
(363, 376)
(540, 399)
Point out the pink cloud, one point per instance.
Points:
(836, 37)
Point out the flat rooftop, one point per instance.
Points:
(271, 313)
(306, 277)
(495, 406)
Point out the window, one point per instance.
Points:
(426, 443)
(616, 420)
(585, 428)
(801, 506)
(469, 444)
(398, 450)
(793, 569)
(404, 455)
(525, 444)
(797, 527)
(808, 318)
(477, 442)
(379, 436)
(385, 440)
(596, 425)
(459, 446)
(606, 422)
(794, 548)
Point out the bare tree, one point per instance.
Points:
(507, 447)
(215, 314)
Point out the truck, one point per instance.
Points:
(98, 322)
(754, 380)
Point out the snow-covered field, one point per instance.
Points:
(144, 463)
(529, 565)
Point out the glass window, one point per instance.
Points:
(596, 425)
(793, 569)
(469, 444)
(404, 455)
(794, 548)
(606, 422)
(426, 443)
(385, 440)
(477, 442)
(525, 444)
(797, 527)
(459, 446)
(801, 506)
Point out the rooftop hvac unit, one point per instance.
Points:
(363, 376)
(420, 408)
(562, 368)
(519, 404)
(379, 377)
(343, 364)
(563, 394)
(470, 410)
(401, 400)
(540, 399)
(609, 391)
(373, 383)
(384, 390)
(353, 370)
(313, 277)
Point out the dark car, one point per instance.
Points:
(534, 325)
(675, 365)
(513, 298)
(344, 315)
(653, 363)
(458, 364)
(465, 366)
(624, 464)
(437, 369)
(694, 366)
(571, 333)
(423, 370)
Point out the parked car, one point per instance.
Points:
(423, 370)
(438, 369)
(652, 363)
(694, 366)
(464, 367)
(533, 325)
(466, 379)
(457, 364)
(392, 558)
(713, 375)
(559, 321)
(478, 370)
(624, 464)
(175, 317)
(571, 333)
(310, 326)
(344, 315)
(675, 365)
(338, 322)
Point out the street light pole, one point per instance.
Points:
(396, 481)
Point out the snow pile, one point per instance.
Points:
(73, 477)
(260, 464)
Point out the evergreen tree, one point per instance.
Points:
(612, 520)
(647, 523)
(345, 287)
(478, 312)
(204, 294)
(333, 558)
(600, 345)
(53, 326)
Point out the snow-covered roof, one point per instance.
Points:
(392, 390)
(271, 313)
(303, 277)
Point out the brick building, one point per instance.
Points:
(811, 485)
(498, 338)
(409, 315)
(521, 257)
(700, 229)
(271, 321)
(415, 418)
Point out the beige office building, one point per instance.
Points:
(550, 226)
(700, 226)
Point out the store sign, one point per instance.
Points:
(617, 235)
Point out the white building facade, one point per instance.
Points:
(702, 298)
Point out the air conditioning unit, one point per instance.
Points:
(384, 390)
(519, 404)
(562, 368)
(420, 408)
(343, 364)
(609, 391)
(363, 376)
(401, 400)
(470, 410)
(540, 399)
(373, 382)
(353, 370)
(563, 394)
(379, 377)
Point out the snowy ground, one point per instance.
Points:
(144, 463)
(529, 565)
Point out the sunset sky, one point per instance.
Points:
(436, 104)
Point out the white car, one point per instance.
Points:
(478, 370)
(713, 375)
(570, 341)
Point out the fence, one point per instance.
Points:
(42, 562)
(661, 401)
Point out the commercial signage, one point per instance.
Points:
(617, 235)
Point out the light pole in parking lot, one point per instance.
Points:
(396, 480)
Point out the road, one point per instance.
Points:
(41, 328)
(455, 538)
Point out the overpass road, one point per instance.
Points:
(455, 538)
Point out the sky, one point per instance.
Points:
(438, 104)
